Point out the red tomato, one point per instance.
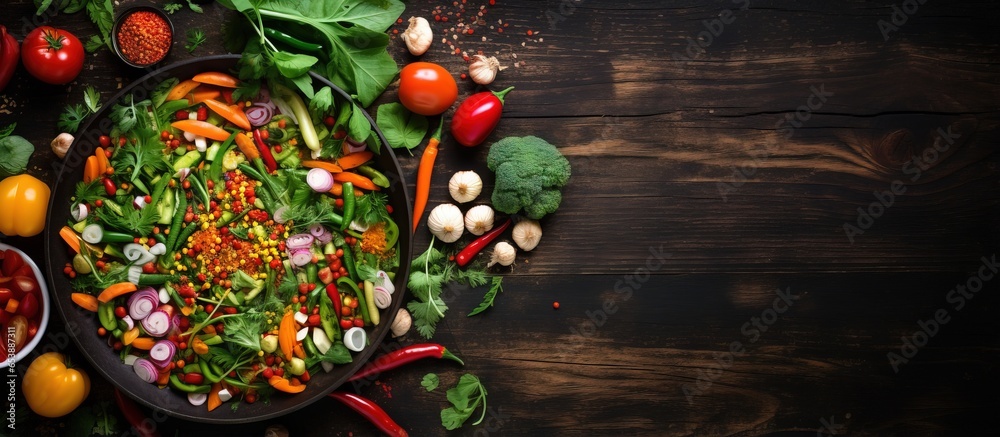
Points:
(52, 55)
(11, 262)
(426, 88)
(22, 285)
(28, 306)
(477, 116)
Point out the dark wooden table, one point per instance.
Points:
(771, 203)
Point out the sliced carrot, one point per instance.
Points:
(355, 159)
(187, 310)
(217, 78)
(356, 179)
(91, 170)
(247, 146)
(85, 301)
(328, 166)
(201, 94)
(235, 116)
(203, 128)
(299, 351)
(286, 335)
(214, 401)
(337, 190)
(71, 238)
(163, 377)
(282, 384)
(144, 343)
(102, 161)
(116, 290)
(182, 89)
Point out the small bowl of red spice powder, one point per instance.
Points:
(142, 36)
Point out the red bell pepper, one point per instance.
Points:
(10, 55)
(265, 152)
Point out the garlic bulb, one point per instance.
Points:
(60, 144)
(527, 234)
(446, 222)
(503, 254)
(465, 186)
(479, 219)
(401, 324)
(483, 70)
(418, 36)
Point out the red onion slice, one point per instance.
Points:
(300, 257)
(354, 146)
(321, 233)
(319, 180)
(143, 302)
(145, 370)
(382, 298)
(157, 323)
(299, 241)
(259, 114)
(162, 353)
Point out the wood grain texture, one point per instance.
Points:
(703, 181)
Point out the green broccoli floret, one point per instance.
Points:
(530, 174)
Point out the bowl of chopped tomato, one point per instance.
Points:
(233, 252)
(24, 303)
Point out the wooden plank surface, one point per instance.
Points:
(713, 160)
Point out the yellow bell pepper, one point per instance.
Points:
(24, 200)
(52, 389)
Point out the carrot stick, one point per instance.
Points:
(144, 343)
(328, 166)
(356, 179)
(234, 116)
(116, 290)
(246, 145)
(202, 95)
(203, 128)
(286, 335)
(216, 78)
(424, 171)
(282, 384)
(181, 90)
(214, 401)
(91, 170)
(102, 161)
(69, 236)
(85, 301)
(354, 159)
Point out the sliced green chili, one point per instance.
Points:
(291, 40)
(175, 382)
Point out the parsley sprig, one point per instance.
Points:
(429, 273)
(74, 114)
(465, 399)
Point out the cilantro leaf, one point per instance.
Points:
(370, 208)
(93, 44)
(145, 155)
(131, 220)
(102, 13)
(490, 296)
(244, 330)
(71, 118)
(430, 381)
(92, 98)
(465, 398)
(172, 7)
(402, 128)
(194, 7)
(195, 38)
(126, 116)
(88, 192)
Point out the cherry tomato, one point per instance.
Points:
(477, 116)
(52, 55)
(11, 262)
(18, 325)
(426, 88)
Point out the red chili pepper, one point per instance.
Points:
(465, 256)
(109, 186)
(331, 290)
(10, 55)
(143, 426)
(403, 356)
(371, 411)
(265, 152)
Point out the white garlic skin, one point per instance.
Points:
(484, 70)
(527, 234)
(465, 186)
(401, 324)
(503, 254)
(446, 223)
(60, 144)
(479, 219)
(418, 36)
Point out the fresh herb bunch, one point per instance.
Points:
(429, 274)
(351, 50)
(73, 115)
(465, 399)
(195, 38)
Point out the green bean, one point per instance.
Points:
(348, 206)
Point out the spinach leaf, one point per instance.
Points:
(402, 128)
(16, 152)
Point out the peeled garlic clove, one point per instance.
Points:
(401, 324)
(484, 70)
(464, 186)
(446, 223)
(503, 254)
(60, 144)
(418, 36)
(527, 234)
(479, 219)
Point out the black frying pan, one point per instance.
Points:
(82, 325)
